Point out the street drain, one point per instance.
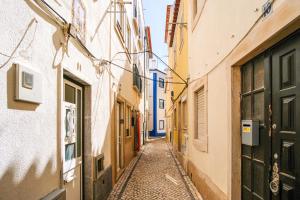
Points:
(170, 178)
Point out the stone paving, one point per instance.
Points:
(154, 174)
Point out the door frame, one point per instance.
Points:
(80, 162)
(73, 75)
(121, 101)
(236, 116)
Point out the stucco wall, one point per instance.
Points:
(28, 139)
(178, 61)
(217, 41)
(29, 145)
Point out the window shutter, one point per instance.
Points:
(201, 122)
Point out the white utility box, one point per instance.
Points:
(28, 84)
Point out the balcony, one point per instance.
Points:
(137, 80)
(135, 17)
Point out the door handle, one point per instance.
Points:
(274, 184)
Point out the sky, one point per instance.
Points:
(155, 17)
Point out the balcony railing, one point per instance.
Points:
(137, 80)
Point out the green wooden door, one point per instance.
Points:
(286, 120)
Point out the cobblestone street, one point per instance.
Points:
(154, 174)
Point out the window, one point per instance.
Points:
(119, 18)
(181, 27)
(200, 112)
(137, 80)
(195, 8)
(134, 6)
(161, 83)
(181, 30)
(201, 118)
(161, 124)
(128, 118)
(174, 51)
(128, 38)
(73, 119)
(184, 115)
(161, 103)
(79, 19)
(175, 118)
(253, 89)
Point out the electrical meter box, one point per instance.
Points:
(250, 132)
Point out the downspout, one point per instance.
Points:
(144, 123)
(154, 104)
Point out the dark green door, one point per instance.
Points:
(285, 153)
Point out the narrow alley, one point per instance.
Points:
(155, 174)
(149, 100)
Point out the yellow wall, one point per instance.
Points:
(178, 61)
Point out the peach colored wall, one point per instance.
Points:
(214, 47)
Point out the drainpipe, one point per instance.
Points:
(144, 123)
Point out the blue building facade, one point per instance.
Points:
(157, 104)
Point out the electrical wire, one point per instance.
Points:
(58, 19)
(240, 41)
(160, 59)
(178, 96)
(11, 56)
(128, 70)
(63, 22)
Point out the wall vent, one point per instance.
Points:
(99, 166)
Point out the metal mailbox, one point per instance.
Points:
(250, 132)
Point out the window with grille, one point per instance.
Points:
(161, 83)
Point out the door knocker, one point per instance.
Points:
(274, 184)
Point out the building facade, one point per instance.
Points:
(72, 96)
(242, 65)
(176, 37)
(147, 82)
(157, 101)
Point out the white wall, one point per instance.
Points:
(30, 161)
(160, 95)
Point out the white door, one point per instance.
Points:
(72, 140)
